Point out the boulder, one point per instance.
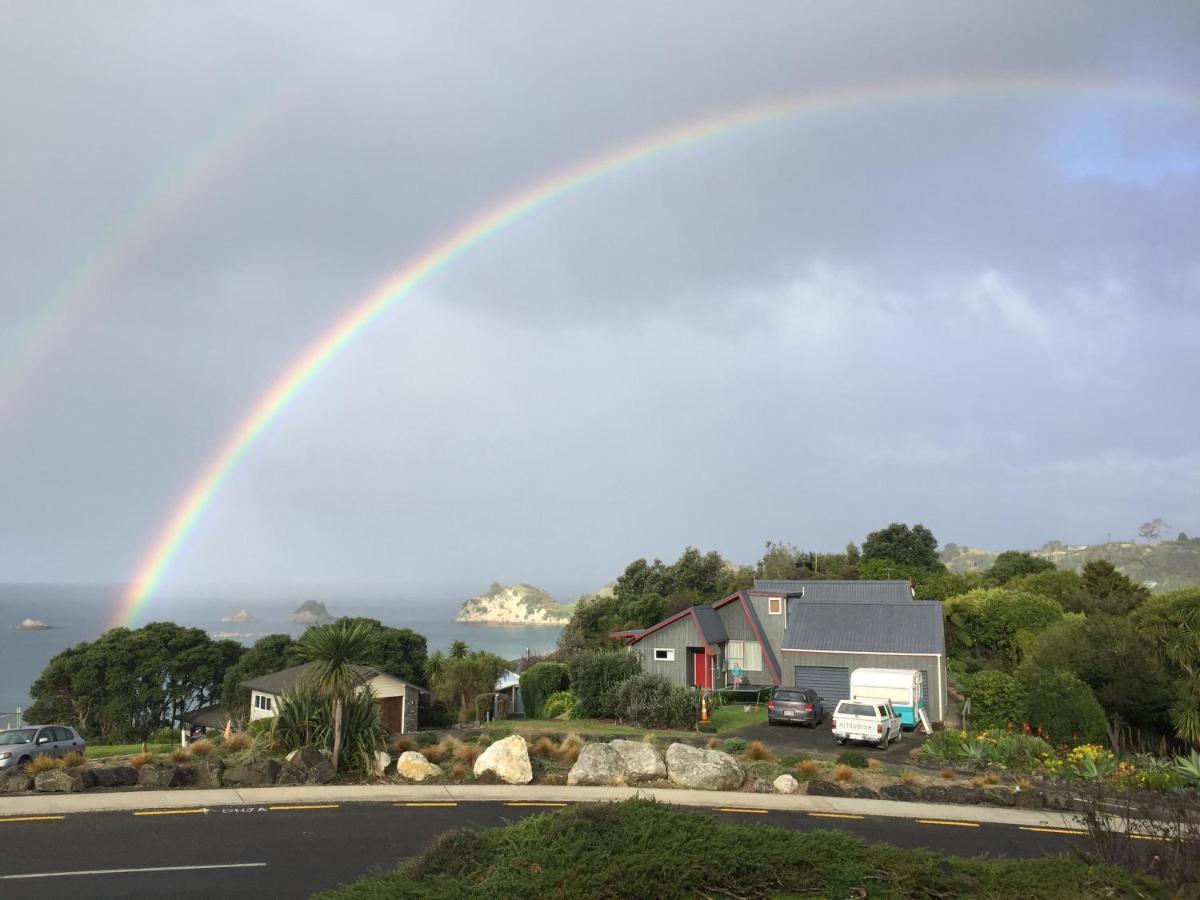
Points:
(786, 784)
(58, 781)
(86, 775)
(16, 783)
(703, 770)
(819, 788)
(1028, 799)
(160, 775)
(968, 795)
(322, 773)
(901, 792)
(935, 793)
(209, 772)
(508, 760)
(598, 763)
(1000, 797)
(383, 762)
(415, 767)
(290, 774)
(759, 786)
(863, 792)
(308, 765)
(252, 774)
(642, 762)
(306, 758)
(115, 776)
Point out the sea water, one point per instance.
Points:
(82, 613)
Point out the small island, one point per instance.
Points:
(521, 604)
(312, 612)
(242, 617)
(33, 625)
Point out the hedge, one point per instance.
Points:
(538, 682)
(595, 675)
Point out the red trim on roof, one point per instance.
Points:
(728, 599)
(663, 624)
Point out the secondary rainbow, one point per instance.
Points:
(188, 511)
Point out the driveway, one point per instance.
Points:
(785, 739)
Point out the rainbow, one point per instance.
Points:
(524, 203)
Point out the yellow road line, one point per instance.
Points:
(835, 815)
(948, 822)
(170, 812)
(304, 806)
(1052, 830)
(1147, 837)
(32, 818)
(532, 803)
(741, 809)
(430, 803)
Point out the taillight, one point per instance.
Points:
(770, 704)
(833, 723)
(879, 729)
(808, 707)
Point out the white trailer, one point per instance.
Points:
(903, 687)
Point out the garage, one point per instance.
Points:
(832, 683)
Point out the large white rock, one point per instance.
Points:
(598, 763)
(415, 767)
(642, 762)
(703, 770)
(786, 784)
(508, 760)
(382, 761)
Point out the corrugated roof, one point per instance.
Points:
(287, 679)
(912, 627)
(710, 625)
(893, 591)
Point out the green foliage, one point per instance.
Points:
(1103, 589)
(639, 848)
(855, 759)
(915, 546)
(595, 675)
(651, 701)
(336, 652)
(130, 682)
(1170, 626)
(928, 584)
(944, 744)
(997, 699)
(989, 625)
(399, 652)
(559, 704)
(425, 738)
(1188, 767)
(539, 682)
(1064, 706)
(1060, 585)
(465, 676)
(270, 653)
(303, 719)
(1013, 564)
(734, 745)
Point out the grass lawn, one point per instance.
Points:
(640, 848)
(103, 751)
(579, 726)
(733, 717)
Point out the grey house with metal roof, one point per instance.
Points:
(801, 633)
(398, 701)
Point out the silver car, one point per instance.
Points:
(20, 745)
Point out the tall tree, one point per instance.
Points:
(337, 651)
(915, 546)
(1170, 624)
(399, 652)
(1104, 589)
(1012, 564)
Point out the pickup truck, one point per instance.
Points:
(866, 720)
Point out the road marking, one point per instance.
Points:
(741, 809)
(1052, 830)
(532, 803)
(252, 865)
(1147, 837)
(170, 812)
(304, 806)
(439, 804)
(948, 822)
(835, 815)
(32, 818)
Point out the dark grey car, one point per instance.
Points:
(20, 745)
(795, 706)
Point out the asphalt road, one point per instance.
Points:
(784, 739)
(292, 851)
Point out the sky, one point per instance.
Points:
(978, 311)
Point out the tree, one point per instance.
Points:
(1153, 530)
(458, 649)
(988, 626)
(779, 561)
(997, 699)
(1103, 589)
(1012, 564)
(927, 584)
(270, 653)
(1060, 585)
(1170, 625)
(399, 652)
(915, 546)
(1064, 706)
(464, 678)
(538, 682)
(336, 652)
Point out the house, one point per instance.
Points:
(398, 700)
(507, 701)
(800, 633)
(206, 719)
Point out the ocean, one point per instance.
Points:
(81, 613)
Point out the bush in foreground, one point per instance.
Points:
(640, 848)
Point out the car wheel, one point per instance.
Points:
(24, 761)
(900, 734)
(841, 742)
(883, 742)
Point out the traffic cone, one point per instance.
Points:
(703, 708)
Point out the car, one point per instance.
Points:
(799, 706)
(867, 720)
(20, 745)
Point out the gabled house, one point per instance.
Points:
(800, 633)
(398, 700)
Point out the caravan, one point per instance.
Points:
(902, 687)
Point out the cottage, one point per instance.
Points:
(398, 700)
(800, 633)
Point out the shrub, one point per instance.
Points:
(594, 676)
(435, 753)
(997, 699)
(1064, 706)
(458, 772)
(74, 758)
(180, 755)
(202, 747)
(944, 744)
(652, 701)
(570, 748)
(1021, 752)
(141, 759)
(467, 753)
(425, 738)
(855, 759)
(43, 763)
(757, 750)
(403, 743)
(303, 719)
(561, 703)
(843, 773)
(809, 767)
(239, 740)
(793, 759)
(539, 683)
(734, 745)
(543, 747)
(948, 774)
(908, 776)
(166, 735)
(874, 763)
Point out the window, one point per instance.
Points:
(746, 655)
(775, 606)
(664, 654)
(262, 701)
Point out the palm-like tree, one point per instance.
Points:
(433, 667)
(336, 651)
(458, 650)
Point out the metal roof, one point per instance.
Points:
(912, 627)
(710, 625)
(893, 591)
(287, 679)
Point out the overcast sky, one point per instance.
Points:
(975, 311)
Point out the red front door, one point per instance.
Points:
(702, 674)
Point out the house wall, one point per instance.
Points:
(738, 628)
(678, 636)
(774, 627)
(935, 665)
(255, 711)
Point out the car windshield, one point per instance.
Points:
(856, 709)
(18, 736)
(795, 696)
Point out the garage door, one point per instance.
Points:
(832, 683)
